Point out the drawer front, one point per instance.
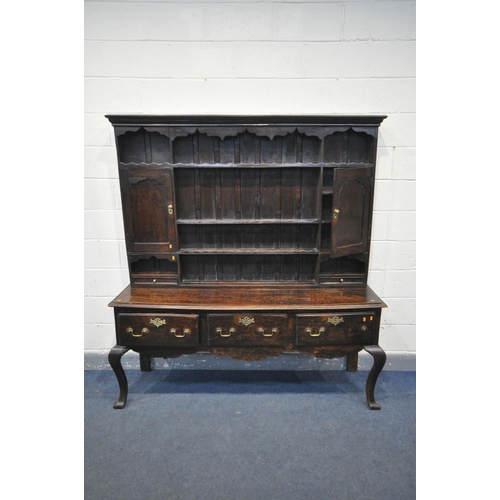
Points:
(172, 330)
(250, 330)
(335, 328)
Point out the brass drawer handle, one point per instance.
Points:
(170, 209)
(180, 335)
(144, 331)
(310, 332)
(273, 331)
(222, 334)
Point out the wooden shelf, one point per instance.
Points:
(248, 251)
(247, 221)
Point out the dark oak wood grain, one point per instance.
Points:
(247, 236)
(248, 297)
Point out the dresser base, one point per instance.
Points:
(248, 324)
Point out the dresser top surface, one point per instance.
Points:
(248, 298)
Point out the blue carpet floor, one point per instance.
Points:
(249, 435)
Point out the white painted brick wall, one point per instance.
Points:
(236, 56)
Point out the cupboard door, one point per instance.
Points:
(149, 207)
(352, 188)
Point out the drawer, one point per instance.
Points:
(250, 330)
(158, 329)
(335, 328)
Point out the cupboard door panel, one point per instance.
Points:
(148, 207)
(352, 193)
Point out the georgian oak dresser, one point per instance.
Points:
(247, 236)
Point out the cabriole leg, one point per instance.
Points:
(379, 358)
(114, 357)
